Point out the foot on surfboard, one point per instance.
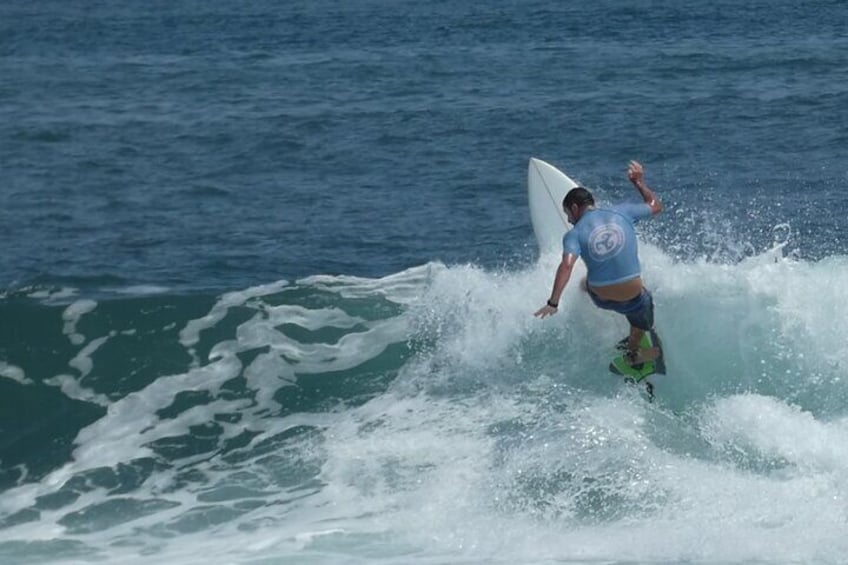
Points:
(648, 362)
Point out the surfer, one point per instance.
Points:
(606, 241)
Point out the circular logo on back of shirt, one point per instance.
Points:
(606, 241)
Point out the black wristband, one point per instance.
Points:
(552, 305)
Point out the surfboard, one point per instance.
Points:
(546, 188)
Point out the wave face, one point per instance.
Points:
(428, 417)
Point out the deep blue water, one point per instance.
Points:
(220, 144)
(254, 251)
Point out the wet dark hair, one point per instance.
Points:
(579, 196)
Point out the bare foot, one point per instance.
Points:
(643, 356)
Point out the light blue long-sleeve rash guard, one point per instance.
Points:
(606, 241)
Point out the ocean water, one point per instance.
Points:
(268, 276)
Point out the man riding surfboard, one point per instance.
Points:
(606, 241)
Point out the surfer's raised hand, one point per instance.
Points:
(635, 172)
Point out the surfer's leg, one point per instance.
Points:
(640, 313)
(641, 320)
(636, 354)
(633, 341)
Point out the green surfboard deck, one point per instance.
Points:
(640, 371)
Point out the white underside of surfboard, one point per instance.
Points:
(546, 187)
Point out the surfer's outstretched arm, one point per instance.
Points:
(636, 174)
(563, 274)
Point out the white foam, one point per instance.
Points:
(72, 388)
(15, 373)
(683, 507)
(403, 287)
(51, 295)
(311, 318)
(772, 428)
(190, 334)
(82, 361)
(141, 290)
(72, 316)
